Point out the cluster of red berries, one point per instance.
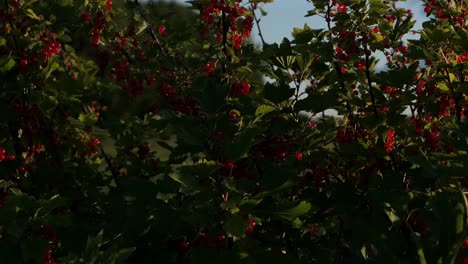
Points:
(185, 105)
(276, 149)
(341, 8)
(349, 135)
(162, 30)
(216, 8)
(97, 109)
(389, 89)
(429, 7)
(167, 90)
(431, 137)
(390, 142)
(99, 23)
(108, 5)
(419, 125)
(51, 49)
(462, 58)
(134, 85)
(211, 241)
(341, 55)
(143, 151)
(460, 259)
(250, 229)
(360, 65)
(242, 88)
(442, 14)
(92, 146)
(4, 156)
(47, 258)
(209, 68)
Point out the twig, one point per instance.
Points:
(150, 28)
(225, 26)
(115, 174)
(455, 96)
(12, 25)
(369, 81)
(257, 22)
(336, 65)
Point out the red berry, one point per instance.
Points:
(162, 30)
(184, 245)
(299, 155)
(220, 238)
(21, 170)
(242, 88)
(109, 5)
(167, 90)
(251, 222)
(94, 141)
(47, 259)
(85, 17)
(465, 242)
(23, 64)
(232, 115)
(229, 164)
(209, 68)
(282, 155)
(342, 8)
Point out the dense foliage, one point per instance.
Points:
(132, 136)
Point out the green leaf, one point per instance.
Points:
(184, 179)
(55, 202)
(64, 3)
(376, 9)
(240, 146)
(391, 214)
(235, 226)
(289, 214)
(276, 93)
(88, 119)
(92, 245)
(30, 13)
(397, 77)
(442, 86)
(212, 94)
(263, 12)
(6, 64)
(316, 103)
(33, 250)
(264, 109)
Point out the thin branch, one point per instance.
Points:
(12, 25)
(369, 81)
(225, 27)
(150, 27)
(455, 96)
(336, 65)
(257, 22)
(114, 172)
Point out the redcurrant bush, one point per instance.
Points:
(145, 132)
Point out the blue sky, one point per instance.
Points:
(284, 15)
